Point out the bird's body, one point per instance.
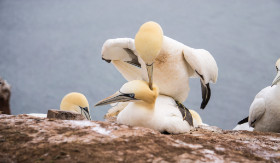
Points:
(148, 109)
(173, 66)
(164, 117)
(264, 114)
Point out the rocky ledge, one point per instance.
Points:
(25, 138)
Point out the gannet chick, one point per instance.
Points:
(76, 102)
(173, 65)
(147, 108)
(264, 112)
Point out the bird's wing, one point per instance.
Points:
(205, 66)
(257, 110)
(186, 114)
(122, 53)
(245, 120)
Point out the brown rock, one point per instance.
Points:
(64, 115)
(25, 138)
(5, 93)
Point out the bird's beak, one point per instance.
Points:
(85, 113)
(117, 97)
(150, 75)
(276, 79)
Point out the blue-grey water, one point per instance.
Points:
(51, 48)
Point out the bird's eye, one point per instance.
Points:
(131, 95)
(85, 109)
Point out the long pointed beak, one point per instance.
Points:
(117, 97)
(276, 79)
(150, 75)
(85, 113)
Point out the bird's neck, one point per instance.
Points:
(145, 105)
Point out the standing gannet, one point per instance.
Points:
(147, 108)
(264, 113)
(76, 102)
(173, 66)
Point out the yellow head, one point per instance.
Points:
(148, 41)
(76, 102)
(136, 90)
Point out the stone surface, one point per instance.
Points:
(30, 139)
(5, 94)
(64, 115)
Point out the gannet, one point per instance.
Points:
(116, 108)
(174, 64)
(264, 113)
(76, 102)
(147, 108)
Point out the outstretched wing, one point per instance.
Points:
(122, 53)
(205, 66)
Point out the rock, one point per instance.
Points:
(5, 94)
(64, 115)
(25, 138)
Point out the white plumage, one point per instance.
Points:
(264, 114)
(173, 66)
(164, 117)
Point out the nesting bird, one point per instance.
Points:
(76, 102)
(147, 108)
(264, 113)
(171, 62)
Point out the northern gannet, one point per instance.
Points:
(147, 108)
(76, 102)
(264, 113)
(173, 66)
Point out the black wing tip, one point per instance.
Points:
(186, 114)
(202, 106)
(206, 95)
(245, 120)
(108, 61)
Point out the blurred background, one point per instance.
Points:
(51, 48)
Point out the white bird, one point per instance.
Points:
(147, 108)
(174, 64)
(264, 113)
(76, 102)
